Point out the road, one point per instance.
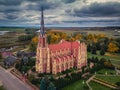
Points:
(11, 82)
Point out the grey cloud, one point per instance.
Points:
(10, 2)
(82, 21)
(12, 8)
(50, 17)
(68, 1)
(45, 5)
(11, 16)
(97, 10)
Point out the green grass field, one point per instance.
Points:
(103, 71)
(110, 79)
(10, 39)
(12, 29)
(96, 86)
(75, 86)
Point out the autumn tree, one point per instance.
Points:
(101, 35)
(33, 44)
(35, 40)
(112, 47)
(78, 36)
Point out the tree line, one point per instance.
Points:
(94, 41)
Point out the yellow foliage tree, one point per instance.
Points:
(112, 47)
(107, 64)
(72, 39)
(54, 38)
(78, 37)
(101, 35)
(35, 40)
(63, 36)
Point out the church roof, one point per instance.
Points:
(63, 45)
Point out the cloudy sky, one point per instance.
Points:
(81, 13)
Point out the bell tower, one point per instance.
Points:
(42, 36)
(42, 55)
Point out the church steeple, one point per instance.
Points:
(42, 31)
(42, 37)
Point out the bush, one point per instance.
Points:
(33, 69)
(35, 81)
(118, 83)
(31, 77)
(40, 75)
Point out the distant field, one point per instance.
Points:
(109, 33)
(13, 29)
(11, 38)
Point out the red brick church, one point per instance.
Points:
(55, 58)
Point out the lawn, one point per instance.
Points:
(110, 79)
(103, 71)
(96, 86)
(75, 86)
(97, 55)
(115, 58)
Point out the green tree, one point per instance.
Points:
(118, 83)
(88, 48)
(33, 47)
(98, 46)
(51, 86)
(94, 50)
(102, 52)
(44, 83)
(96, 59)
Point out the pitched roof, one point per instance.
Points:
(63, 45)
(10, 59)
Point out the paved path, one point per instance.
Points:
(87, 82)
(11, 82)
(105, 84)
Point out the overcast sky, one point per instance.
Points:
(83, 13)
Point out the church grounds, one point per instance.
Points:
(101, 74)
(78, 84)
(66, 81)
(113, 57)
(109, 78)
(96, 86)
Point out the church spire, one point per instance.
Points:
(42, 31)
